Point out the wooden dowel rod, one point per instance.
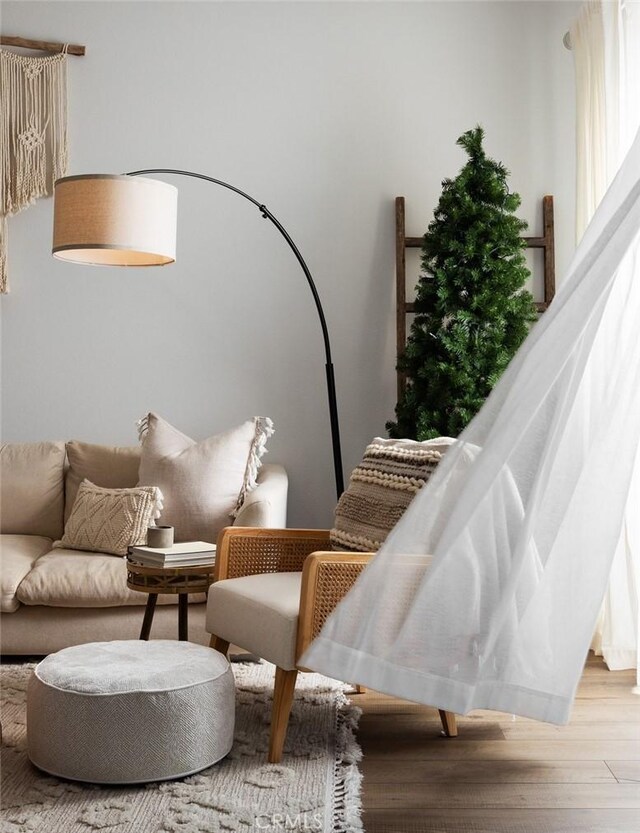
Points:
(549, 250)
(401, 291)
(42, 45)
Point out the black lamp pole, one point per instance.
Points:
(331, 384)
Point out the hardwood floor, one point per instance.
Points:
(504, 774)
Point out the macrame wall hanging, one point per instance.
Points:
(33, 131)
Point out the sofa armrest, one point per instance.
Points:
(266, 505)
(247, 551)
(326, 578)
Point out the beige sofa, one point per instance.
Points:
(52, 598)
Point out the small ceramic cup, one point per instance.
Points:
(160, 536)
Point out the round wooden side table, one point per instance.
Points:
(173, 580)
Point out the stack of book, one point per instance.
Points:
(189, 554)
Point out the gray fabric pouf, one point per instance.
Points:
(130, 711)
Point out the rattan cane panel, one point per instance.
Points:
(333, 581)
(252, 555)
(169, 579)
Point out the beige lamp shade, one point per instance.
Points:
(107, 220)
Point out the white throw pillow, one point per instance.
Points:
(204, 484)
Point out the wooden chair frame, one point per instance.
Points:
(326, 577)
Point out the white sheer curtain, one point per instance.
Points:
(605, 39)
(487, 591)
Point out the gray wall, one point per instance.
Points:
(324, 111)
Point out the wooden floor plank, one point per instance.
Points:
(377, 771)
(595, 730)
(417, 727)
(501, 821)
(542, 796)
(456, 749)
(587, 711)
(508, 729)
(583, 711)
(625, 771)
(604, 693)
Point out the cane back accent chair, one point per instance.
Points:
(272, 592)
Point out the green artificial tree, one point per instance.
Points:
(472, 311)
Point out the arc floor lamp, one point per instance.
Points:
(130, 220)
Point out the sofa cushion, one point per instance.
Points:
(32, 488)
(258, 613)
(18, 554)
(72, 578)
(381, 488)
(203, 483)
(113, 467)
(110, 520)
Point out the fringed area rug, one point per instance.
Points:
(316, 788)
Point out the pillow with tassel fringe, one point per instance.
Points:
(204, 483)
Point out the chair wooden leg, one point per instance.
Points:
(219, 644)
(282, 700)
(448, 723)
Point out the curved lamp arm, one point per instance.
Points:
(331, 385)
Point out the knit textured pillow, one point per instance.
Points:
(204, 484)
(380, 490)
(110, 520)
